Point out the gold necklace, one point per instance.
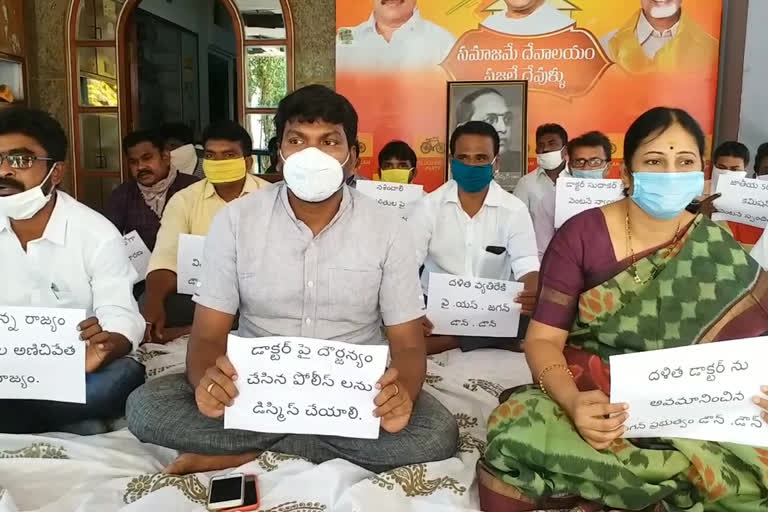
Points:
(633, 259)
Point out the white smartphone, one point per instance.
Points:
(226, 491)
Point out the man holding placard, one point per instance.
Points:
(64, 262)
(350, 279)
(472, 227)
(227, 157)
(589, 157)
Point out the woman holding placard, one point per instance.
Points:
(640, 274)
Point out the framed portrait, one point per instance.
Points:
(503, 105)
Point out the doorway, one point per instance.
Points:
(185, 66)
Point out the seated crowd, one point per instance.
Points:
(361, 284)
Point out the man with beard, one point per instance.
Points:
(351, 280)
(394, 37)
(58, 253)
(661, 37)
(138, 204)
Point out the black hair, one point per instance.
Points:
(552, 129)
(476, 128)
(137, 137)
(38, 125)
(231, 131)
(398, 150)
(762, 153)
(590, 140)
(466, 108)
(317, 103)
(178, 131)
(656, 121)
(732, 148)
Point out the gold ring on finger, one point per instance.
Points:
(210, 387)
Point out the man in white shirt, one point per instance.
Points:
(760, 252)
(58, 253)
(472, 227)
(660, 36)
(394, 37)
(528, 17)
(589, 157)
(551, 149)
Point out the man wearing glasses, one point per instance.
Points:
(490, 106)
(589, 157)
(58, 253)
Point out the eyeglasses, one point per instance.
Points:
(22, 162)
(492, 119)
(581, 163)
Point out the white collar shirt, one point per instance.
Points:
(535, 185)
(418, 44)
(448, 241)
(80, 262)
(541, 21)
(651, 39)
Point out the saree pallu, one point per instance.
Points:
(703, 290)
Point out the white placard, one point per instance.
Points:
(41, 354)
(744, 200)
(470, 306)
(305, 386)
(575, 195)
(138, 254)
(398, 196)
(698, 392)
(189, 264)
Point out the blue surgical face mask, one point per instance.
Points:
(472, 178)
(665, 195)
(596, 174)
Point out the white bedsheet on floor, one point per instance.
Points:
(111, 472)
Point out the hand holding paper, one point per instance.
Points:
(304, 386)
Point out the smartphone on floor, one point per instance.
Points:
(250, 496)
(226, 492)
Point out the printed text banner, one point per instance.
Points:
(698, 392)
(469, 306)
(305, 386)
(41, 354)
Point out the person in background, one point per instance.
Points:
(472, 227)
(660, 36)
(58, 253)
(589, 157)
(551, 149)
(274, 159)
(179, 142)
(732, 159)
(227, 156)
(356, 162)
(761, 162)
(386, 41)
(138, 204)
(634, 276)
(397, 163)
(528, 17)
(354, 279)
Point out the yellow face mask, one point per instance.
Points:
(396, 175)
(224, 171)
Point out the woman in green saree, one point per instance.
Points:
(641, 274)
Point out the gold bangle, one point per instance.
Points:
(548, 369)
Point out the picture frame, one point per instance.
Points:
(502, 104)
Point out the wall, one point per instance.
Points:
(753, 127)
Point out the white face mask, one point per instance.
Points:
(719, 171)
(312, 175)
(551, 160)
(666, 11)
(184, 159)
(24, 205)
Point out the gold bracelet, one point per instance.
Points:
(549, 369)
